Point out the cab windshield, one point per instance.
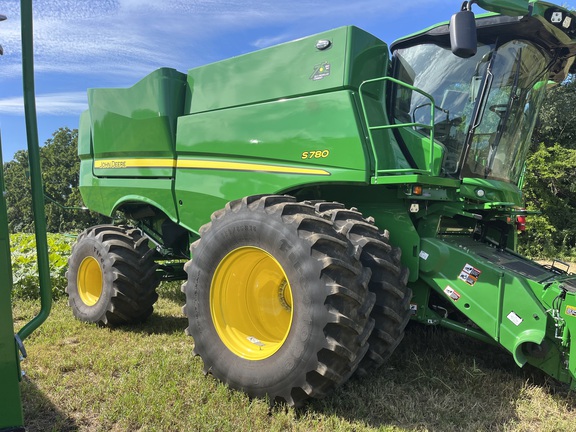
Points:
(486, 105)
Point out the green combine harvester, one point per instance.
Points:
(324, 192)
(332, 189)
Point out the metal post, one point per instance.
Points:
(11, 417)
(35, 173)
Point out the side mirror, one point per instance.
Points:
(463, 34)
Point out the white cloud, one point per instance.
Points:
(48, 104)
(87, 37)
(119, 37)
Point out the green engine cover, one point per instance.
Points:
(333, 60)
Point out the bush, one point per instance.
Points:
(25, 265)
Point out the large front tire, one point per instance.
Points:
(277, 301)
(111, 276)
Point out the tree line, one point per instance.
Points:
(60, 174)
(550, 182)
(550, 179)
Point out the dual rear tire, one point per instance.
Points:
(388, 281)
(278, 302)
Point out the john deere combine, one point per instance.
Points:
(332, 189)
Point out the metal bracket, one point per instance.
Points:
(21, 347)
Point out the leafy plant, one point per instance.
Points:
(25, 264)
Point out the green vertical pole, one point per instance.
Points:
(10, 403)
(35, 173)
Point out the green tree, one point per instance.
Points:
(18, 193)
(60, 175)
(557, 123)
(551, 189)
(550, 185)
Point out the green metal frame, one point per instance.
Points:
(11, 346)
(35, 172)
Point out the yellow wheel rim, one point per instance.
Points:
(89, 281)
(251, 303)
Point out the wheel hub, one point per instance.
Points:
(251, 303)
(89, 281)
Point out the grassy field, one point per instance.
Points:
(81, 377)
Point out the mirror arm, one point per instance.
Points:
(467, 5)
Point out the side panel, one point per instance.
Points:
(105, 195)
(266, 148)
(136, 122)
(126, 143)
(499, 301)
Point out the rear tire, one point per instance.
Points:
(277, 301)
(388, 281)
(111, 276)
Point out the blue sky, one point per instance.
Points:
(113, 43)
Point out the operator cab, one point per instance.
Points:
(486, 105)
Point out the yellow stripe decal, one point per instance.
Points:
(134, 163)
(239, 166)
(203, 164)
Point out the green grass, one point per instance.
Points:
(80, 377)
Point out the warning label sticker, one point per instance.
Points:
(449, 291)
(515, 318)
(469, 274)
